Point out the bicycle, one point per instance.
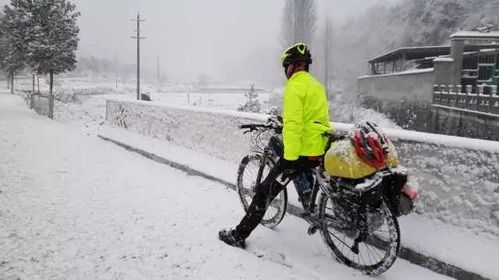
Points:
(357, 218)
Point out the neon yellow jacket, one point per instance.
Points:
(305, 116)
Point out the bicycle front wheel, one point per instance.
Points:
(247, 181)
(376, 253)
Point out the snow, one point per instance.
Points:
(443, 59)
(451, 244)
(368, 183)
(211, 165)
(224, 100)
(475, 34)
(406, 72)
(444, 140)
(409, 48)
(253, 116)
(73, 206)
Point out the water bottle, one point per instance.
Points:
(302, 183)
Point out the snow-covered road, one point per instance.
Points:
(75, 207)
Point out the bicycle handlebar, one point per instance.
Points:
(277, 125)
(272, 123)
(260, 127)
(254, 126)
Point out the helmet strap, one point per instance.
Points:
(289, 70)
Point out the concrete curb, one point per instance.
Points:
(408, 254)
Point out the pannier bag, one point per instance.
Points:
(341, 160)
(400, 195)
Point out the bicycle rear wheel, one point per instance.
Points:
(376, 253)
(246, 183)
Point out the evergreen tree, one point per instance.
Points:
(13, 35)
(431, 22)
(53, 38)
(253, 104)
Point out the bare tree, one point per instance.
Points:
(328, 63)
(299, 21)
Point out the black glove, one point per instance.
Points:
(289, 168)
(289, 164)
(275, 119)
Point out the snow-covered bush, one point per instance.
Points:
(252, 104)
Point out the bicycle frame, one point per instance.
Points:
(263, 163)
(321, 180)
(320, 183)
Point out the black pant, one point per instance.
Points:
(266, 192)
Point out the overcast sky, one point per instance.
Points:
(191, 37)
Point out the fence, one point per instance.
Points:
(486, 100)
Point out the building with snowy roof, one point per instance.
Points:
(450, 89)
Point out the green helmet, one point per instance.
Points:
(296, 53)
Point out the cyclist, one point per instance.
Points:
(305, 120)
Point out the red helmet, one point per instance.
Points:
(370, 143)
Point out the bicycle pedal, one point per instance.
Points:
(312, 229)
(355, 247)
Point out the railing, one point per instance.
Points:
(464, 98)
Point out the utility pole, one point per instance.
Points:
(138, 20)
